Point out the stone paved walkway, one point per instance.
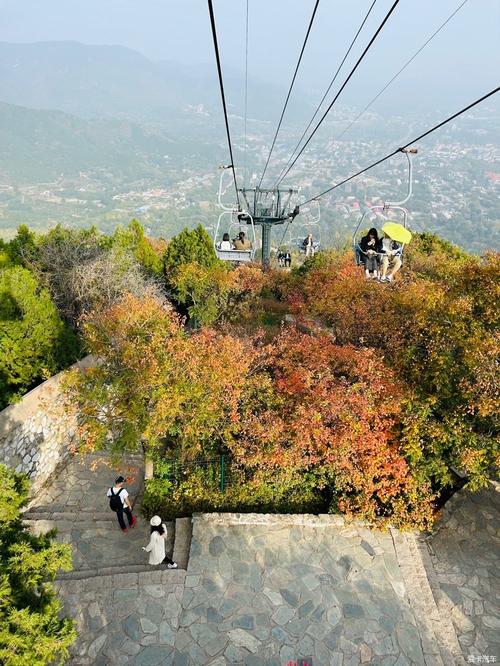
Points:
(465, 552)
(264, 590)
(125, 619)
(267, 594)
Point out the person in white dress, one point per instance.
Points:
(156, 545)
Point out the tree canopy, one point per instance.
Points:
(34, 342)
(190, 247)
(375, 419)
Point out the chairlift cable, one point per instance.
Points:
(413, 141)
(284, 234)
(246, 98)
(367, 48)
(221, 86)
(400, 71)
(289, 90)
(327, 90)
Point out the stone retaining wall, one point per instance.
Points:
(36, 433)
(304, 520)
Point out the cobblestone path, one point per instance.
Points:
(266, 594)
(466, 555)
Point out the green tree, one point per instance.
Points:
(4, 254)
(190, 247)
(134, 240)
(34, 342)
(32, 630)
(22, 248)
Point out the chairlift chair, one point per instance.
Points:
(383, 209)
(236, 222)
(307, 227)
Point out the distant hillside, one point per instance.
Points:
(40, 145)
(99, 81)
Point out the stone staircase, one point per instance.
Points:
(437, 634)
(75, 504)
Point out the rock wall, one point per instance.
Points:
(36, 433)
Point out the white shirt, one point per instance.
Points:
(387, 247)
(156, 547)
(123, 494)
(225, 245)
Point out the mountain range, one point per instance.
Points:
(101, 81)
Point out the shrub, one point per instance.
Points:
(193, 496)
(437, 328)
(216, 294)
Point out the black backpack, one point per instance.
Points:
(115, 501)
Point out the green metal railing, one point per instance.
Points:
(215, 470)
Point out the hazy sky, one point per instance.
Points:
(468, 49)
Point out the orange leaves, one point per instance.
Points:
(333, 410)
(155, 382)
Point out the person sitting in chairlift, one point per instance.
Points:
(308, 245)
(225, 243)
(391, 258)
(284, 259)
(241, 243)
(370, 246)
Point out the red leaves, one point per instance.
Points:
(334, 409)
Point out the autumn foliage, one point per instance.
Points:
(300, 412)
(437, 328)
(372, 419)
(153, 381)
(330, 414)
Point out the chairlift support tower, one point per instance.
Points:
(258, 206)
(269, 207)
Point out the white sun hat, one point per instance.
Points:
(155, 521)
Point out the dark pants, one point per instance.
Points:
(371, 262)
(128, 513)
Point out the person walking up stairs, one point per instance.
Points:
(120, 503)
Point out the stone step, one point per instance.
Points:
(439, 641)
(424, 612)
(103, 571)
(450, 648)
(182, 543)
(117, 578)
(41, 513)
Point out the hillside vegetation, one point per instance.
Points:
(373, 415)
(389, 394)
(40, 146)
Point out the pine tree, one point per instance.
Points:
(31, 629)
(190, 247)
